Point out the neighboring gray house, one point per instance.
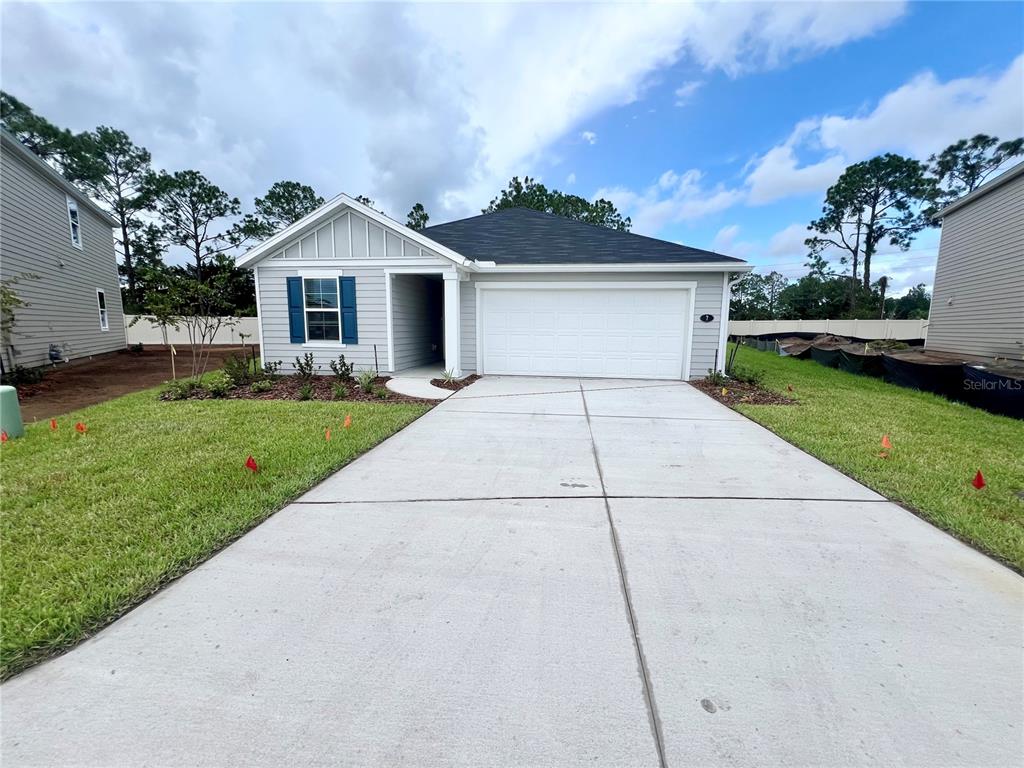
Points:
(978, 300)
(60, 247)
(512, 292)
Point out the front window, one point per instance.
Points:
(323, 316)
(74, 224)
(101, 303)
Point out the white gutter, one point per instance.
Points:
(484, 267)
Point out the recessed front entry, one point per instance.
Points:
(635, 331)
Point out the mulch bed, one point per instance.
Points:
(741, 393)
(322, 388)
(455, 385)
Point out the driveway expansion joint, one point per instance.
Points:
(645, 676)
(610, 496)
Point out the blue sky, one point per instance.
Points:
(719, 125)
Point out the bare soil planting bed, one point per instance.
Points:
(75, 385)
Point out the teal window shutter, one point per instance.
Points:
(296, 320)
(349, 326)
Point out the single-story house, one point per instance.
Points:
(59, 247)
(978, 299)
(512, 292)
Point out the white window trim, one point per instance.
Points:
(320, 343)
(103, 311)
(72, 205)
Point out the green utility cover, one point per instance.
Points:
(10, 412)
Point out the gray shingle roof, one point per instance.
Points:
(526, 236)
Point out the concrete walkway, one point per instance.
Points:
(550, 572)
(415, 382)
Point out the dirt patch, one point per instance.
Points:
(75, 385)
(456, 385)
(734, 393)
(320, 388)
(828, 341)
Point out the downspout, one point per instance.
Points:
(723, 318)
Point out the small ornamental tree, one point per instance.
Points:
(200, 309)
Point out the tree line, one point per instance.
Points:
(887, 200)
(156, 210)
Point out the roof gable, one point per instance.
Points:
(344, 228)
(524, 236)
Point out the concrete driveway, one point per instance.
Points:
(548, 572)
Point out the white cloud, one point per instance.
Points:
(590, 137)
(570, 179)
(727, 242)
(433, 103)
(672, 198)
(687, 91)
(921, 117)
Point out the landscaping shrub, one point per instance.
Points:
(716, 378)
(448, 377)
(135, 349)
(20, 376)
(381, 393)
(261, 385)
(342, 370)
(218, 384)
(237, 370)
(305, 368)
(339, 391)
(747, 375)
(270, 368)
(306, 392)
(366, 380)
(179, 389)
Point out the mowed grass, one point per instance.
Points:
(93, 523)
(938, 446)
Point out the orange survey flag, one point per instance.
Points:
(327, 434)
(886, 443)
(3, 437)
(53, 425)
(978, 481)
(348, 420)
(80, 428)
(251, 464)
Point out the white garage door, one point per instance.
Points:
(624, 331)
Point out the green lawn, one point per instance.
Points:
(93, 523)
(938, 447)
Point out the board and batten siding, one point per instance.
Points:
(978, 300)
(353, 246)
(61, 302)
(707, 300)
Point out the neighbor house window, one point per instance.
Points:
(74, 224)
(323, 315)
(101, 303)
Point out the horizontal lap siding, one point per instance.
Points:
(708, 300)
(415, 316)
(978, 300)
(370, 314)
(35, 239)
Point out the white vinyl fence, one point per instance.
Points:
(144, 332)
(901, 330)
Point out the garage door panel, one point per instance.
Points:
(615, 331)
